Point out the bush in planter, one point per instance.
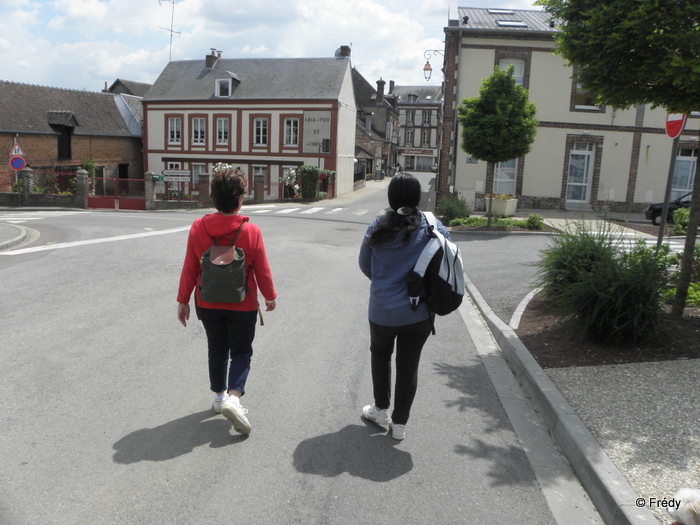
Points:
(309, 182)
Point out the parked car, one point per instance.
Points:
(653, 213)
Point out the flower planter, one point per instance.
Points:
(502, 207)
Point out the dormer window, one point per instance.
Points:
(223, 87)
(412, 98)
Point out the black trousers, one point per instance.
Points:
(409, 344)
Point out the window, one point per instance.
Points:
(684, 172)
(197, 170)
(174, 130)
(583, 100)
(580, 168)
(426, 117)
(409, 137)
(504, 176)
(260, 132)
(65, 149)
(223, 87)
(198, 131)
(425, 137)
(412, 98)
(222, 131)
(424, 163)
(410, 118)
(518, 68)
(291, 132)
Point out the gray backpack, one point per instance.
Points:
(223, 271)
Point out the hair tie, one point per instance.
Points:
(405, 210)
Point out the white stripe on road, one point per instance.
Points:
(94, 241)
(313, 210)
(360, 212)
(336, 210)
(288, 210)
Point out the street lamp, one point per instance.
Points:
(427, 68)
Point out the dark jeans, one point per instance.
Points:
(230, 335)
(409, 344)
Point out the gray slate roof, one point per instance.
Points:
(424, 94)
(254, 79)
(502, 19)
(26, 108)
(129, 87)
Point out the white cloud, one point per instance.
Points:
(85, 43)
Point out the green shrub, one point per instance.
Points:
(452, 207)
(309, 182)
(534, 222)
(675, 260)
(612, 296)
(681, 217)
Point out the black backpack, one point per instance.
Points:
(440, 271)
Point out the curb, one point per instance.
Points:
(607, 488)
(16, 240)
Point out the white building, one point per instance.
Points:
(584, 156)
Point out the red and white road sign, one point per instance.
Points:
(16, 151)
(675, 122)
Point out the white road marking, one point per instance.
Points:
(94, 241)
(313, 210)
(336, 210)
(288, 210)
(360, 212)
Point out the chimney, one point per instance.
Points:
(391, 87)
(210, 60)
(344, 51)
(380, 91)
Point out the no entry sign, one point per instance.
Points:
(17, 163)
(675, 122)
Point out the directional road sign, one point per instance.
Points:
(181, 173)
(176, 178)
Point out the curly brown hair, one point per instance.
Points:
(227, 187)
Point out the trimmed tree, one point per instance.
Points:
(500, 123)
(638, 52)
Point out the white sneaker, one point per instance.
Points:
(218, 402)
(398, 432)
(234, 412)
(377, 415)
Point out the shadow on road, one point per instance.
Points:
(363, 451)
(175, 438)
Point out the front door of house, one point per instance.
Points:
(580, 166)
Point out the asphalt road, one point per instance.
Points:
(105, 407)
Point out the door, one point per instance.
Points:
(580, 164)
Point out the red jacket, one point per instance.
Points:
(250, 240)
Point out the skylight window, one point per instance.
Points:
(511, 23)
(501, 12)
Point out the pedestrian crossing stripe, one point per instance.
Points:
(336, 210)
(313, 210)
(288, 210)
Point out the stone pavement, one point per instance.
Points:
(630, 432)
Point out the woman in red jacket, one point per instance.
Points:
(230, 327)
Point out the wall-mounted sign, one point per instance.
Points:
(472, 160)
(317, 126)
(416, 151)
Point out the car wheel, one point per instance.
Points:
(656, 219)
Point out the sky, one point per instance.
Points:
(83, 44)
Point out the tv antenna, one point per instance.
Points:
(172, 18)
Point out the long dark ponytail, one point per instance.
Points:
(404, 217)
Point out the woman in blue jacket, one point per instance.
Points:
(390, 249)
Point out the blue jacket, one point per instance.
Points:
(388, 266)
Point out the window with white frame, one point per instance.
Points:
(260, 132)
(504, 177)
(426, 117)
(223, 87)
(410, 117)
(198, 131)
(222, 131)
(197, 170)
(409, 137)
(425, 137)
(291, 132)
(518, 68)
(174, 130)
(684, 172)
